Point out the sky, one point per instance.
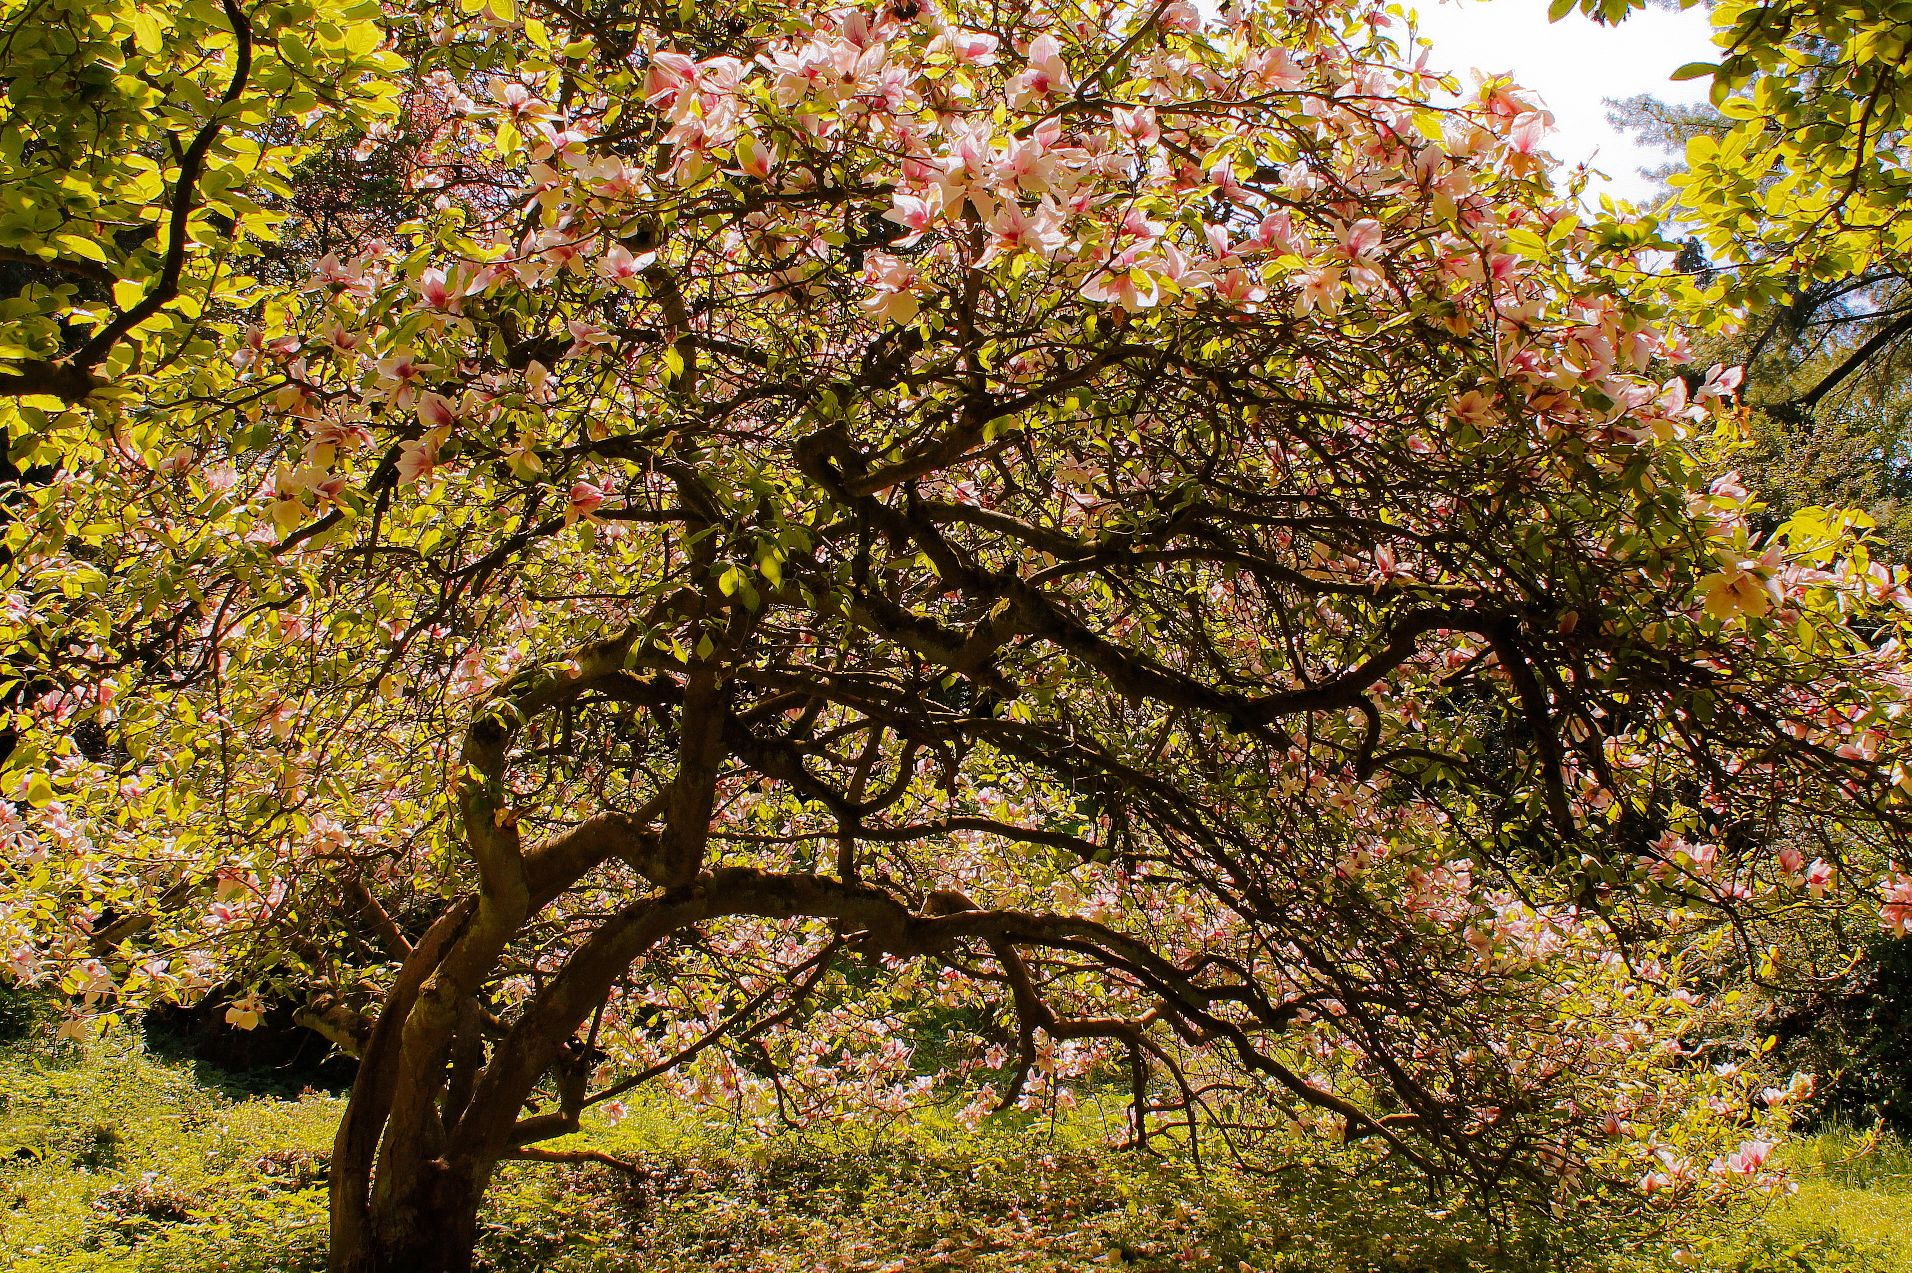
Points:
(1573, 65)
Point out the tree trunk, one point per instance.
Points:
(432, 1112)
(425, 1225)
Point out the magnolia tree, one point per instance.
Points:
(889, 556)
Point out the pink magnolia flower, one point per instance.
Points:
(1137, 125)
(967, 175)
(669, 73)
(1321, 287)
(1474, 409)
(1240, 289)
(914, 214)
(1360, 238)
(622, 266)
(92, 979)
(555, 143)
(246, 1013)
(1045, 75)
(179, 461)
(1863, 746)
(329, 437)
(515, 98)
(980, 1107)
(436, 292)
(1502, 99)
(1721, 382)
(1037, 164)
(827, 70)
(1672, 401)
(1276, 233)
(582, 501)
(1275, 69)
(754, 159)
(1895, 912)
(435, 411)
(1175, 266)
(585, 336)
(23, 965)
(341, 338)
(1740, 588)
(895, 283)
(417, 460)
(612, 178)
(309, 479)
(1180, 15)
(1747, 1159)
(1132, 288)
(859, 29)
(1529, 130)
(1012, 230)
(1358, 243)
(331, 272)
(971, 47)
(1137, 226)
(398, 377)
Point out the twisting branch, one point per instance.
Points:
(572, 1157)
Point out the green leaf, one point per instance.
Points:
(361, 38)
(148, 32)
(83, 246)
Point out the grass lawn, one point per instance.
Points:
(1853, 1209)
(113, 1160)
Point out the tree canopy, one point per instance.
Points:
(845, 559)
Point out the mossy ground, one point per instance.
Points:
(111, 1159)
